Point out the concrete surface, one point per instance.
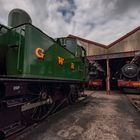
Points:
(99, 117)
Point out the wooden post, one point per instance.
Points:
(108, 76)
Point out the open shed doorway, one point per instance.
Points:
(97, 75)
(103, 65)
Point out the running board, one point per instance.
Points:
(29, 106)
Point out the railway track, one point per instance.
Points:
(135, 101)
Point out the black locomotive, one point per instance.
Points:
(96, 75)
(129, 74)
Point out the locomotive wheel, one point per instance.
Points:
(73, 94)
(41, 106)
(41, 112)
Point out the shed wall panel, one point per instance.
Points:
(131, 43)
(93, 49)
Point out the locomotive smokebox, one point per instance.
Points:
(17, 17)
(130, 70)
(94, 74)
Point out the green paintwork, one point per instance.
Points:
(22, 61)
(4, 39)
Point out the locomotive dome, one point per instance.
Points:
(17, 17)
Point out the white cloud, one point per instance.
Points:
(102, 21)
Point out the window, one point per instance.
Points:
(83, 52)
(71, 45)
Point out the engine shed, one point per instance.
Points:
(113, 56)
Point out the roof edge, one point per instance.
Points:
(123, 37)
(88, 41)
(111, 44)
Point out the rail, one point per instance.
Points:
(135, 101)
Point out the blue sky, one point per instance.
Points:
(102, 21)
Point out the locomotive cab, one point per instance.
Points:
(73, 46)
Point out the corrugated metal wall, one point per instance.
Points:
(130, 43)
(93, 49)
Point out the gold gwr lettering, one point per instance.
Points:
(40, 53)
(72, 66)
(60, 60)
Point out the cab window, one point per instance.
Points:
(71, 45)
(83, 52)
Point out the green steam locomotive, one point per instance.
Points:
(37, 73)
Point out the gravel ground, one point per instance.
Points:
(99, 117)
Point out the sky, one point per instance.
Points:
(102, 21)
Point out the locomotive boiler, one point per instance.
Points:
(37, 73)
